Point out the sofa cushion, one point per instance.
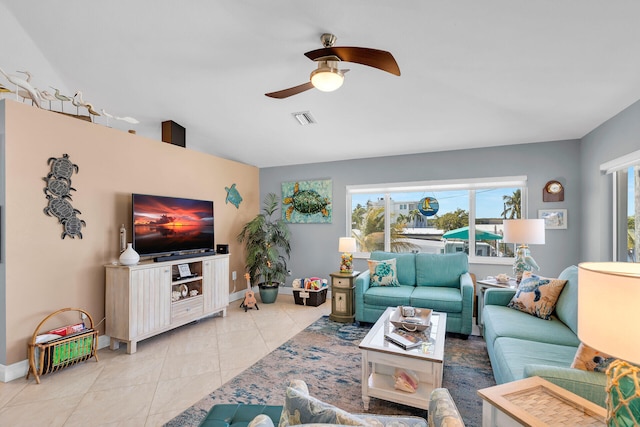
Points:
(383, 273)
(511, 355)
(437, 298)
(567, 305)
(440, 269)
(405, 265)
(537, 295)
(500, 321)
(385, 296)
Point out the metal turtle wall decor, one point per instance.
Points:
(233, 196)
(58, 194)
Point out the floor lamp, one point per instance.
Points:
(525, 232)
(608, 319)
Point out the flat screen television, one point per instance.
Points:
(171, 225)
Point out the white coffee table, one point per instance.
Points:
(380, 358)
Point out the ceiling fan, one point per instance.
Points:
(327, 77)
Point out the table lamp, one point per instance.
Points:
(347, 245)
(608, 319)
(526, 232)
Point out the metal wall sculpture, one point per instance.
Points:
(58, 193)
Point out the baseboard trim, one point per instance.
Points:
(20, 369)
(14, 371)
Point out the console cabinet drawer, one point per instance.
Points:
(341, 282)
(189, 307)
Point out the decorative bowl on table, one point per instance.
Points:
(502, 278)
(419, 322)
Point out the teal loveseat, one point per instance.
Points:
(440, 282)
(521, 345)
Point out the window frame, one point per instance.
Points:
(471, 185)
(612, 167)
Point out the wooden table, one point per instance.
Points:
(537, 402)
(380, 358)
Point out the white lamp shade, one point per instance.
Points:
(327, 79)
(608, 314)
(527, 231)
(347, 244)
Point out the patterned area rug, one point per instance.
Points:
(326, 356)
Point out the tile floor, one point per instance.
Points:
(168, 373)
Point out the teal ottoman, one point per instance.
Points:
(239, 415)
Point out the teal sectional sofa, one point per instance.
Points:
(440, 282)
(521, 345)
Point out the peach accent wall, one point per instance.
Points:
(45, 273)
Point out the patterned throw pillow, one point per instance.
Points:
(537, 296)
(383, 273)
(261, 420)
(590, 359)
(300, 408)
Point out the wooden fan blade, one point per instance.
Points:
(380, 59)
(285, 93)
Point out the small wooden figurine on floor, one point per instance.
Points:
(249, 296)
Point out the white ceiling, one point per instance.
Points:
(474, 73)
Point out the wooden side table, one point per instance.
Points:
(537, 402)
(342, 297)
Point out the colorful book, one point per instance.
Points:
(405, 340)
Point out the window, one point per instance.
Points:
(437, 217)
(626, 206)
(626, 212)
(628, 181)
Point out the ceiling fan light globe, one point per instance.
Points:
(327, 79)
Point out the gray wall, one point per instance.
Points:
(615, 138)
(315, 246)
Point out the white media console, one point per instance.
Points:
(150, 298)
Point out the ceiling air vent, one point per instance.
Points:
(304, 118)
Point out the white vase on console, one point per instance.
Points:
(129, 256)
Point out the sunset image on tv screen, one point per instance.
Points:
(169, 224)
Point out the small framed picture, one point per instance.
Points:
(184, 270)
(554, 219)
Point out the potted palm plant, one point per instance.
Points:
(267, 247)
